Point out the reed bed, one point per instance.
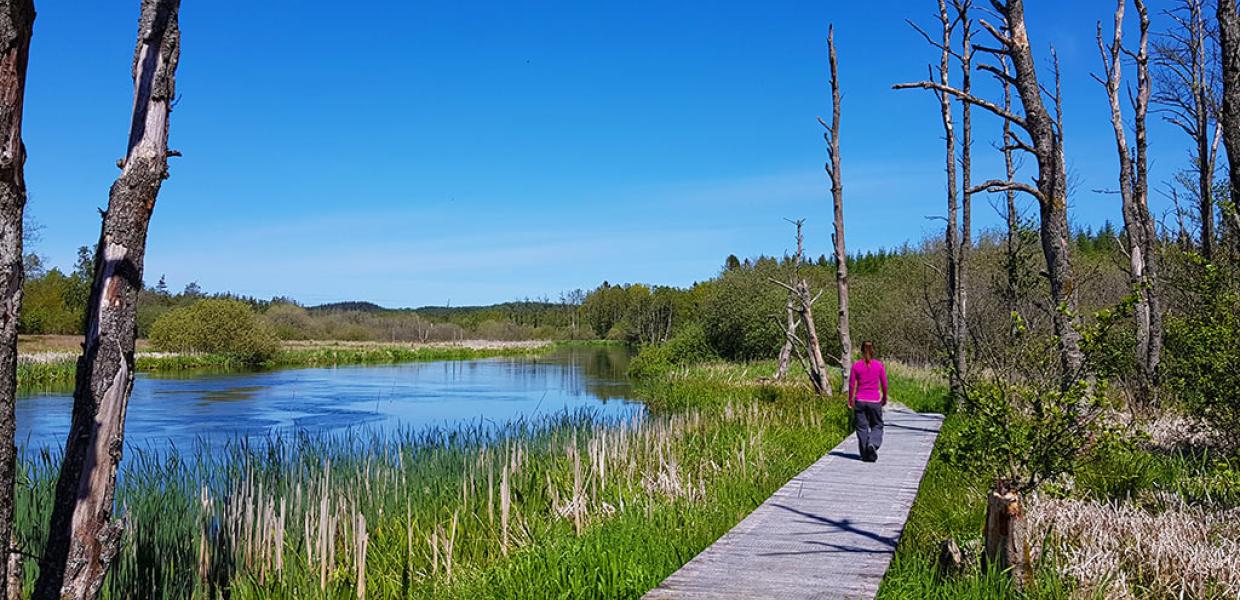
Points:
(49, 371)
(568, 505)
(1122, 549)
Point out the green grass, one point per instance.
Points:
(600, 509)
(951, 505)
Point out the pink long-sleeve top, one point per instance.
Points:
(869, 381)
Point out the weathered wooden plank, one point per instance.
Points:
(828, 533)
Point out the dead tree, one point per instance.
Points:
(808, 351)
(1139, 227)
(955, 337)
(1229, 117)
(1011, 214)
(834, 172)
(16, 26)
(1045, 143)
(1186, 93)
(961, 288)
(791, 321)
(82, 538)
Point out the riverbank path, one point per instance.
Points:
(828, 533)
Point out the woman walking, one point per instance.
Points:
(867, 395)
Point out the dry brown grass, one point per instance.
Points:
(1124, 550)
(470, 344)
(32, 344)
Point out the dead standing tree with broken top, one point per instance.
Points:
(83, 538)
(1045, 144)
(834, 173)
(1006, 543)
(1140, 233)
(956, 237)
(807, 350)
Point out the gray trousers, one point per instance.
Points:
(869, 422)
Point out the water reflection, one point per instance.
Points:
(182, 410)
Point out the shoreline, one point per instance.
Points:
(56, 369)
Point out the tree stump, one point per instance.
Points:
(1007, 544)
(951, 559)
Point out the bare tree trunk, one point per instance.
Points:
(83, 538)
(790, 312)
(1205, 153)
(834, 171)
(790, 331)
(1012, 266)
(1133, 186)
(1006, 536)
(953, 340)
(803, 300)
(1047, 142)
(817, 366)
(1046, 145)
(16, 26)
(1229, 119)
(15, 576)
(961, 327)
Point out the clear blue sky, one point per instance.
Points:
(413, 153)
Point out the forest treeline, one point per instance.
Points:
(895, 294)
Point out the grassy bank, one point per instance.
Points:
(1142, 521)
(562, 506)
(55, 370)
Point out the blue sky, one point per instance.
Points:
(421, 152)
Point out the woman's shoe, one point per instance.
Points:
(872, 451)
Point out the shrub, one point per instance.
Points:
(1024, 425)
(50, 305)
(685, 348)
(740, 314)
(289, 321)
(215, 326)
(1202, 358)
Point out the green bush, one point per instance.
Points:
(52, 304)
(1024, 426)
(289, 321)
(1202, 362)
(742, 311)
(216, 326)
(685, 348)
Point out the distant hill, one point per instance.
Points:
(369, 307)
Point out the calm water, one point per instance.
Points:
(183, 410)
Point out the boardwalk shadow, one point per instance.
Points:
(831, 549)
(842, 454)
(890, 425)
(844, 525)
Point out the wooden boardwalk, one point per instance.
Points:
(828, 533)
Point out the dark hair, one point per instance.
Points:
(867, 351)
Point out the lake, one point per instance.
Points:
(184, 409)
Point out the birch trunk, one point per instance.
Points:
(835, 173)
(16, 26)
(955, 317)
(1138, 223)
(83, 538)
